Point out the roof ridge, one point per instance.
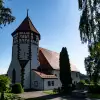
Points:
(49, 50)
(32, 24)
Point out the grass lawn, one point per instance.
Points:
(50, 92)
(11, 96)
(97, 96)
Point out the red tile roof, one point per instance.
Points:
(26, 25)
(43, 75)
(53, 59)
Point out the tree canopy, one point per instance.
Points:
(89, 25)
(92, 63)
(5, 15)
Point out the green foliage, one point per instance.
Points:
(89, 20)
(17, 88)
(81, 85)
(5, 15)
(92, 95)
(94, 89)
(92, 63)
(50, 92)
(65, 69)
(89, 27)
(4, 83)
(82, 82)
(87, 81)
(89, 64)
(10, 96)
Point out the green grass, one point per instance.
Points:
(11, 96)
(97, 96)
(49, 92)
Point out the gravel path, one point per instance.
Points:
(35, 94)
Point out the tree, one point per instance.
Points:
(4, 84)
(92, 63)
(89, 27)
(5, 15)
(89, 20)
(89, 64)
(65, 71)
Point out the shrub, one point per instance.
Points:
(73, 86)
(94, 88)
(81, 85)
(55, 90)
(17, 88)
(4, 83)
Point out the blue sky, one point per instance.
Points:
(56, 20)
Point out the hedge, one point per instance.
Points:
(17, 88)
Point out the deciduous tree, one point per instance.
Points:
(5, 15)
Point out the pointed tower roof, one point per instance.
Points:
(26, 26)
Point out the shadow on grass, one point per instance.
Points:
(61, 97)
(52, 96)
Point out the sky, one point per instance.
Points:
(56, 20)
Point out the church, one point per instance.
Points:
(33, 66)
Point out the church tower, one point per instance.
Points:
(24, 53)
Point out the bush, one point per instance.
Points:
(94, 88)
(17, 88)
(4, 83)
(73, 86)
(81, 85)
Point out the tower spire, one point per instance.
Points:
(27, 12)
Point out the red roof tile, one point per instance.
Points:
(53, 59)
(43, 75)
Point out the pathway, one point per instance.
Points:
(40, 94)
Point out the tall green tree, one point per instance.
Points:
(5, 15)
(65, 71)
(89, 27)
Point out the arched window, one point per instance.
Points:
(13, 76)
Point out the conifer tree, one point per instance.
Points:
(65, 71)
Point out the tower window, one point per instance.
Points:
(34, 37)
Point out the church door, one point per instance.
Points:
(13, 76)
